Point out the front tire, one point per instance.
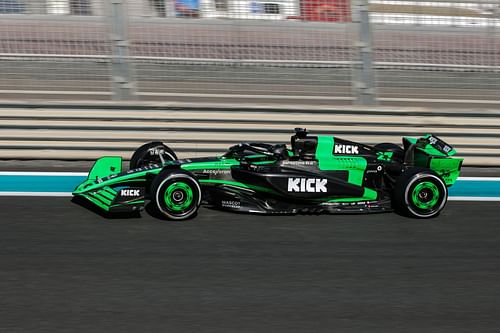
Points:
(151, 153)
(420, 193)
(176, 194)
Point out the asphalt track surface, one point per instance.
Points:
(65, 268)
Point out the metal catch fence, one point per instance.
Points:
(318, 52)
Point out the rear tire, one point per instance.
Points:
(151, 153)
(420, 193)
(176, 194)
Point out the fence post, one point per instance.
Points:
(363, 83)
(122, 77)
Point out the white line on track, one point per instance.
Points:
(485, 179)
(473, 199)
(35, 194)
(30, 173)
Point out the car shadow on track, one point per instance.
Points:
(107, 215)
(148, 209)
(153, 212)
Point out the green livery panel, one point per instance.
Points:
(436, 155)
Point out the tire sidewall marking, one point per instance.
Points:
(166, 153)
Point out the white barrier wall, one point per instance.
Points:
(86, 132)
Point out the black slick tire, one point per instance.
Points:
(151, 153)
(176, 194)
(419, 193)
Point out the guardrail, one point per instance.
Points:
(411, 53)
(86, 132)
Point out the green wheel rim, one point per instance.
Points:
(178, 196)
(425, 195)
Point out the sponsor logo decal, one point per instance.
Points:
(216, 172)
(130, 193)
(346, 149)
(311, 185)
(143, 168)
(438, 144)
(379, 168)
(299, 162)
(231, 204)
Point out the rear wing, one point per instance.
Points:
(429, 144)
(431, 152)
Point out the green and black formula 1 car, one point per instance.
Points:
(319, 174)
